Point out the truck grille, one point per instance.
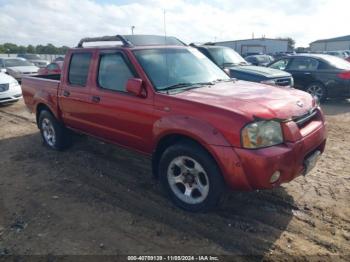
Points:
(306, 118)
(4, 87)
(284, 81)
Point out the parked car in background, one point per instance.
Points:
(204, 131)
(10, 90)
(58, 59)
(321, 75)
(340, 54)
(35, 59)
(235, 65)
(18, 67)
(259, 60)
(51, 69)
(348, 55)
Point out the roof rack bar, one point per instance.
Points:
(120, 38)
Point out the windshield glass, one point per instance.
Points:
(16, 62)
(338, 62)
(171, 66)
(224, 56)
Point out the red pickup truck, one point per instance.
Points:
(204, 130)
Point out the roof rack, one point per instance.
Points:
(120, 38)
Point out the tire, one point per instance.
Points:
(191, 177)
(53, 133)
(317, 89)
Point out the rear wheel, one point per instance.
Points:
(54, 134)
(318, 90)
(191, 177)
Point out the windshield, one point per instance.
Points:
(173, 66)
(338, 62)
(224, 56)
(16, 62)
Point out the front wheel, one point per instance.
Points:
(191, 177)
(54, 134)
(318, 90)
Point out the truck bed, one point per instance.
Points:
(38, 89)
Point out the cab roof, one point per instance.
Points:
(130, 41)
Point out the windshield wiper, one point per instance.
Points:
(222, 80)
(186, 86)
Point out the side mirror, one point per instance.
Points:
(135, 86)
(3, 70)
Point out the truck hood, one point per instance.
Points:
(24, 69)
(253, 99)
(260, 70)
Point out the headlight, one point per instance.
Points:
(261, 134)
(269, 82)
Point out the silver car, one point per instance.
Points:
(18, 67)
(35, 59)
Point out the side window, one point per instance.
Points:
(113, 72)
(280, 64)
(303, 63)
(323, 66)
(79, 68)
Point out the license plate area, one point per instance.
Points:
(311, 161)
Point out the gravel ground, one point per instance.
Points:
(99, 199)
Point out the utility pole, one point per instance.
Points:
(132, 29)
(164, 24)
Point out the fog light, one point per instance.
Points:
(275, 176)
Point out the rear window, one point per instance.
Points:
(337, 62)
(79, 68)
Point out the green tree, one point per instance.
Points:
(22, 49)
(31, 49)
(291, 42)
(11, 48)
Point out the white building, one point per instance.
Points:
(332, 44)
(257, 45)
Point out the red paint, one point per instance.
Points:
(213, 116)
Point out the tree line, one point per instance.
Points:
(10, 48)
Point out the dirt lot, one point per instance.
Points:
(99, 199)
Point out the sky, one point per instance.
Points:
(65, 22)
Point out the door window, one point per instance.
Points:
(113, 72)
(280, 64)
(79, 69)
(303, 64)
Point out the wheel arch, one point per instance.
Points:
(39, 108)
(173, 138)
(319, 83)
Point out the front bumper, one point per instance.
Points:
(246, 169)
(12, 95)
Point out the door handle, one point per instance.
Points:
(66, 93)
(96, 99)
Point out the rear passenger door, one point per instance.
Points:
(303, 70)
(75, 96)
(120, 117)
